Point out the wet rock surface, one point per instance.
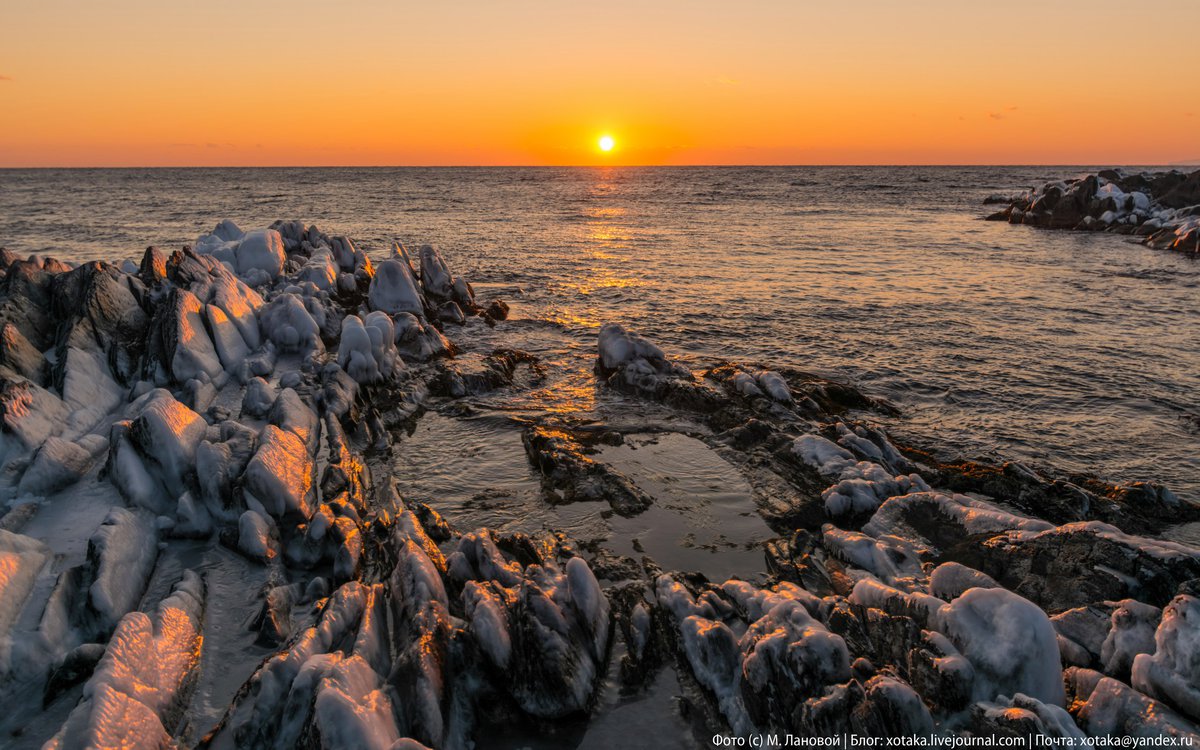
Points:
(266, 492)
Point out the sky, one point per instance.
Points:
(535, 82)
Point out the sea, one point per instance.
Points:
(1065, 351)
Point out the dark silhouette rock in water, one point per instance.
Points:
(1161, 207)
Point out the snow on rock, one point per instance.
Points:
(122, 554)
(1172, 673)
(289, 324)
(1010, 643)
(57, 464)
(393, 290)
(137, 690)
(280, 476)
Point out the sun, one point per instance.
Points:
(606, 143)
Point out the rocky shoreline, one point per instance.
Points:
(1163, 208)
(241, 401)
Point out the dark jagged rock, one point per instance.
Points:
(561, 459)
(1078, 564)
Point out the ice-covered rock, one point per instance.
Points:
(1109, 708)
(941, 519)
(892, 559)
(122, 554)
(258, 398)
(1009, 642)
(951, 580)
(394, 290)
(135, 697)
(180, 347)
(1131, 633)
(257, 537)
(436, 279)
(367, 351)
(21, 561)
(280, 476)
(57, 464)
(257, 255)
(419, 341)
(863, 486)
(1172, 673)
(1024, 716)
(22, 357)
(822, 454)
(289, 324)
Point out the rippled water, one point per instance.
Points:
(1078, 351)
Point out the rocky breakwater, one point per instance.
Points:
(1163, 208)
(203, 545)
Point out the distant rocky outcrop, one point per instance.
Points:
(1163, 208)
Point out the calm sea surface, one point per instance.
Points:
(1072, 350)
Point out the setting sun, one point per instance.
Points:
(607, 143)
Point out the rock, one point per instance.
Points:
(564, 466)
(394, 290)
(497, 309)
(143, 678)
(20, 356)
(1131, 633)
(1009, 642)
(280, 476)
(57, 464)
(1172, 673)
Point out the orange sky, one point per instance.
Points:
(251, 82)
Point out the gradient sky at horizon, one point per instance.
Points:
(252, 82)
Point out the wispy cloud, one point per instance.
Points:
(726, 81)
(1001, 115)
(5, 78)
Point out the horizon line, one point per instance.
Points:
(606, 166)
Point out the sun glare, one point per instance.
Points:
(607, 143)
